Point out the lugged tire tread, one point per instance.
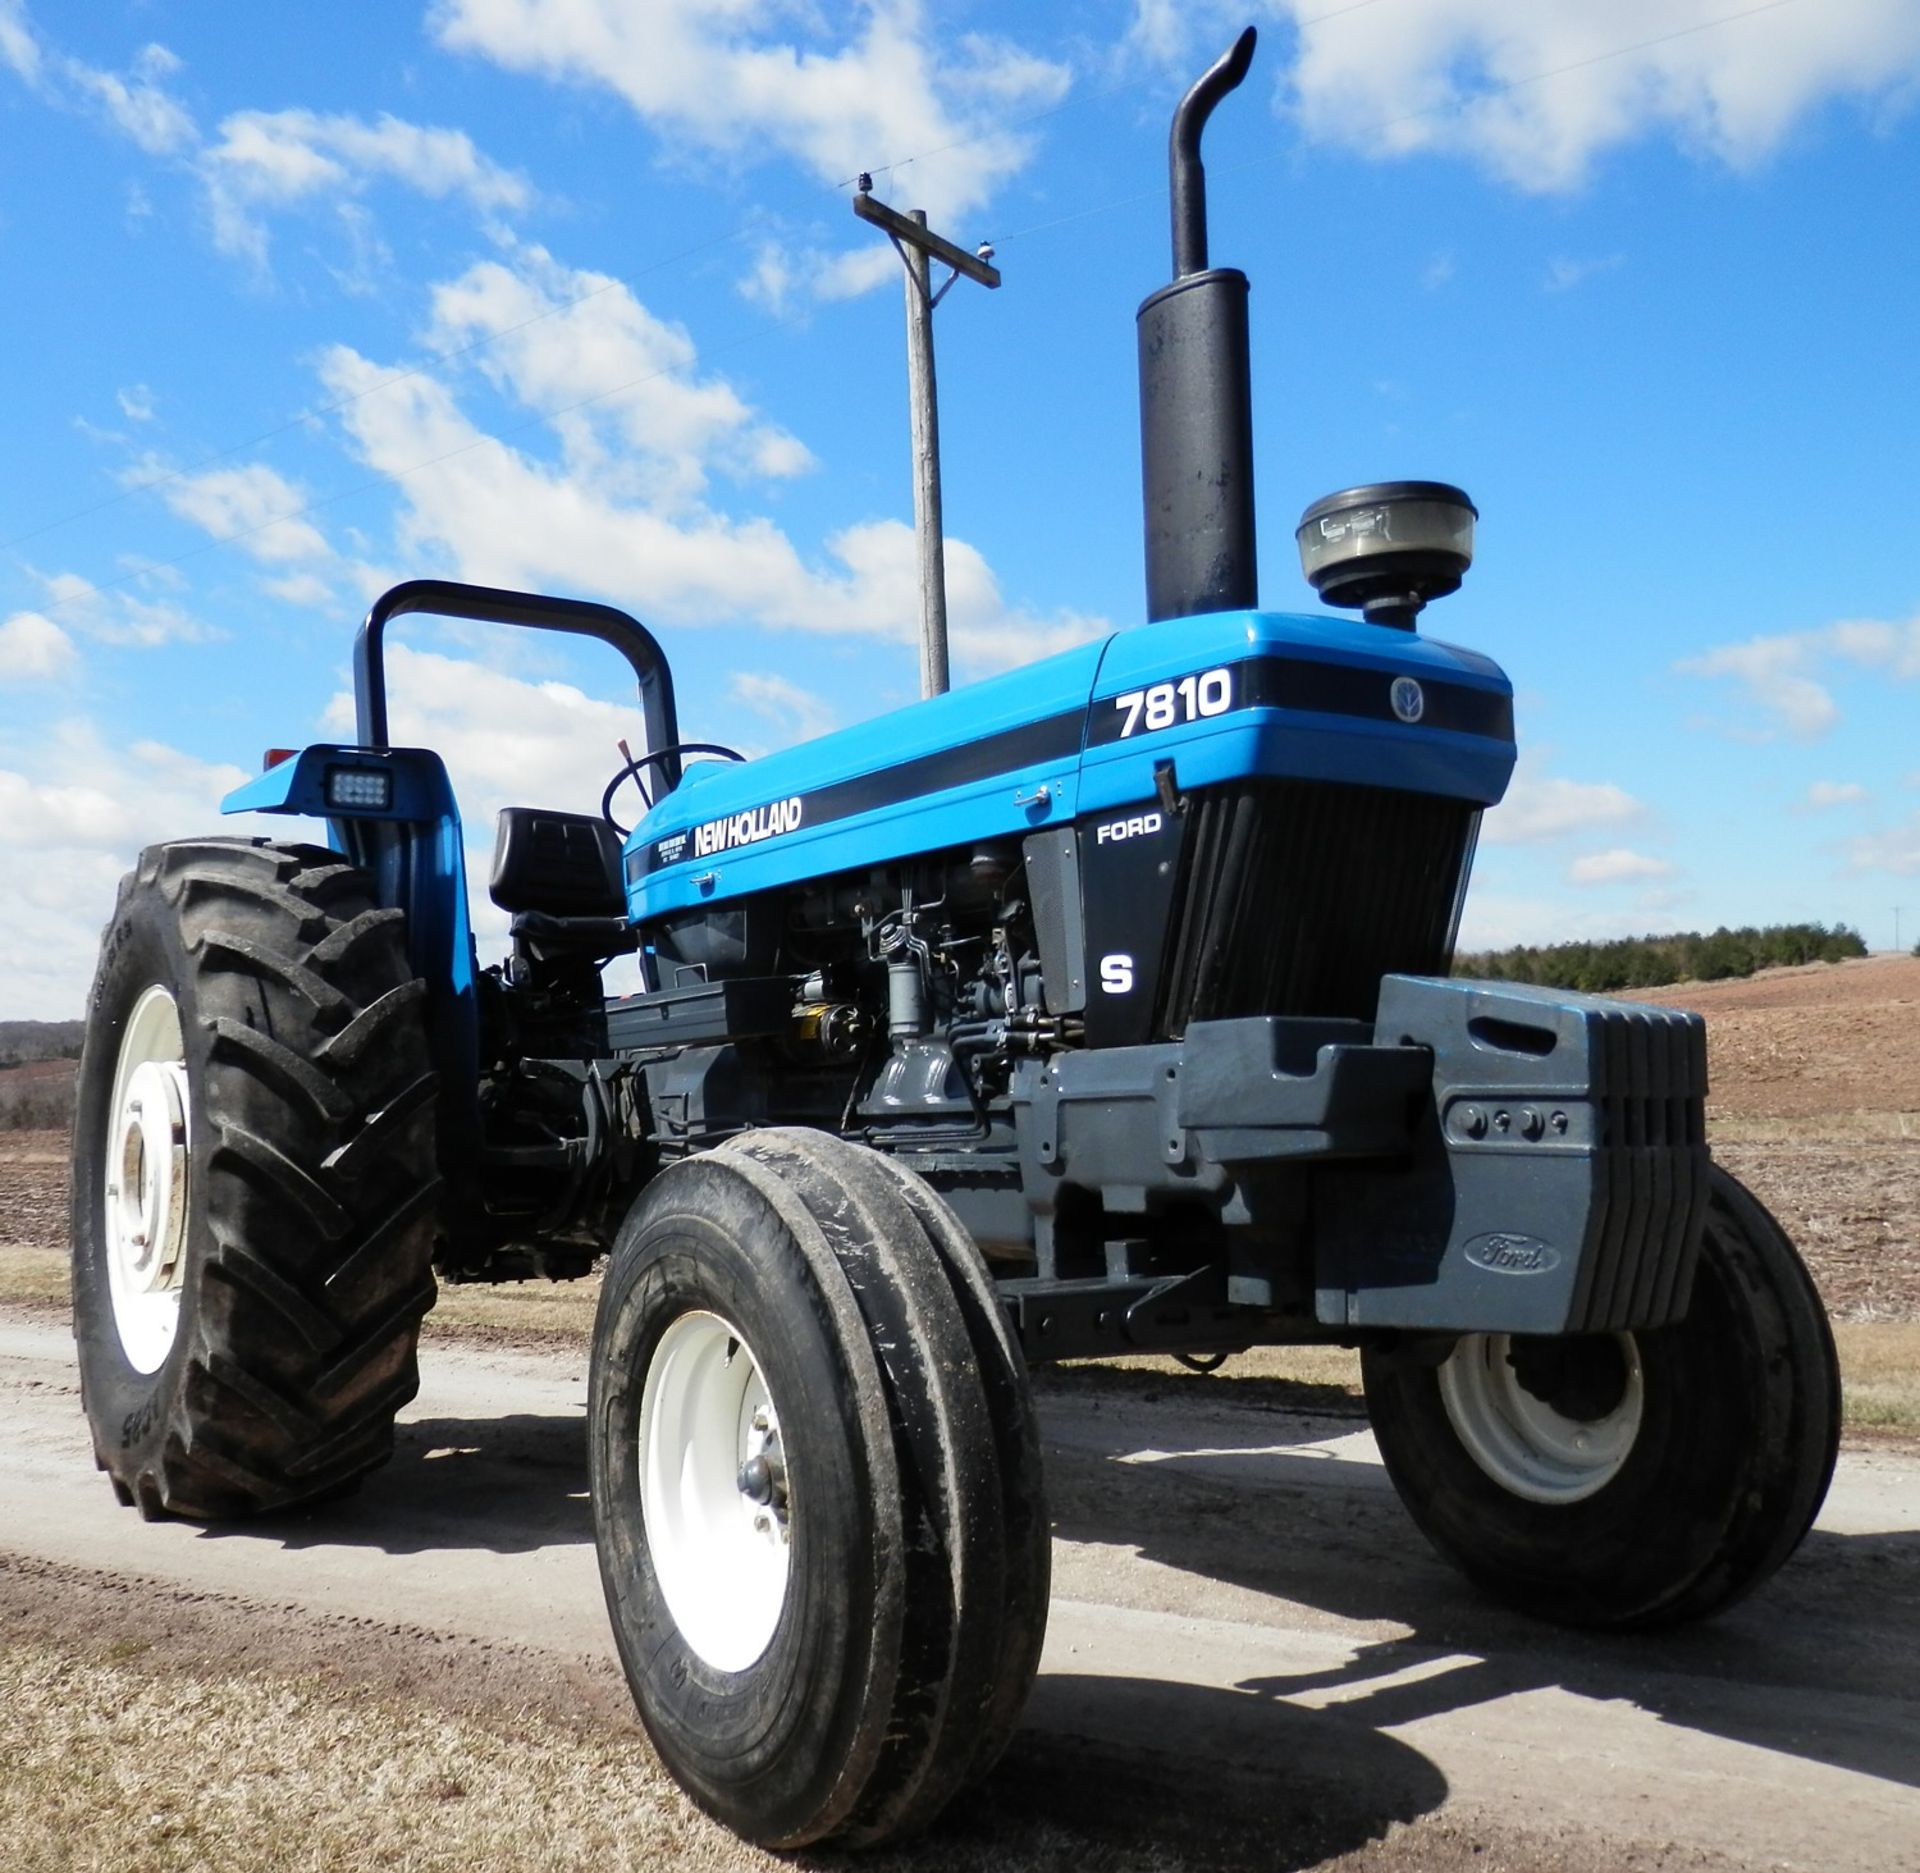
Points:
(303, 1193)
(244, 953)
(313, 1116)
(375, 1134)
(280, 1067)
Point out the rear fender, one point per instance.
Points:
(392, 812)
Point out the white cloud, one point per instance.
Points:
(506, 742)
(797, 714)
(602, 521)
(74, 811)
(1830, 793)
(1496, 920)
(247, 506)
(1541, 806)
(139, 105)
(136, 403)
(303, 588)
(1471, 77)
(840, 89)
(1896, 851)
(119, 614)
(1563, 275)
(281, 159)
(19, 50)
(1618, 866)
(1780, 674)
(632, 403)
(33, 647)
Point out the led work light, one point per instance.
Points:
(368, 788)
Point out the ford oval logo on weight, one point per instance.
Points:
(1408, 698)
(1505, 1253)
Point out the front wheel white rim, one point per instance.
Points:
(145, 1183)
(713, 1493)
(1524, 1444)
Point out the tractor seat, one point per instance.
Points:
(566, 864)
(559, 875)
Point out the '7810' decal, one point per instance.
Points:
(1165, 704)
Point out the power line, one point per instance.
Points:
(306, 416)
(1426, 110)
(299, 420)
(540, 418)
(387, 477)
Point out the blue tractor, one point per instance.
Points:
(1103, 1007)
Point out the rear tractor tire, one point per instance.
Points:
(1633, 1480)
(254, 1183)
(816, 1489)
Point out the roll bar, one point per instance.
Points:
(448, 598)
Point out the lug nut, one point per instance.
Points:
(756, 1481)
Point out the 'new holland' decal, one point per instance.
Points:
(1271, 682)
(748, 828)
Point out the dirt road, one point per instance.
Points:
(1247, 1635)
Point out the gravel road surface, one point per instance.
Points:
(1243, 1620)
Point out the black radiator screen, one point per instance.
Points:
(1296, 897)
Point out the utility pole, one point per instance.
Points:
(917, 247)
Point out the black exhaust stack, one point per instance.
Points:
(1196, 416)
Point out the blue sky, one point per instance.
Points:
(567, 294)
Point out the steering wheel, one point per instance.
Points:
(639, 763)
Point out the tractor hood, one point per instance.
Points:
(1220, 697)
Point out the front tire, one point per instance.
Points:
(1633, 1480)
(254, 1186)
(802, 1462)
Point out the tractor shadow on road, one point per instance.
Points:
(1807, 1666)
(1253, 1782)
(510, 1485)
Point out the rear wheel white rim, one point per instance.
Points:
(1522, 1442)
(721, 1554)
(147, 1180)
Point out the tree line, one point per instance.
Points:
(24, 1042)
(1647, 962)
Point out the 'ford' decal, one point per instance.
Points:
(1506, 1253)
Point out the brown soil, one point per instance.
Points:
(1815, 1103)
(33, 1189)
(1808, 1043)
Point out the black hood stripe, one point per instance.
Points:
(1257, 683)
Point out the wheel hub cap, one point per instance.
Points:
(713, 1490)
(147, 1180)
(1527, 1446)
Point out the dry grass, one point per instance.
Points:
(1879, 1359)
(1827, 1128)
(534, 1312)
(114, 1765)
(1880, 1368)
(34, 1277)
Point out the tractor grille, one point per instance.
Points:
(1297, 896)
